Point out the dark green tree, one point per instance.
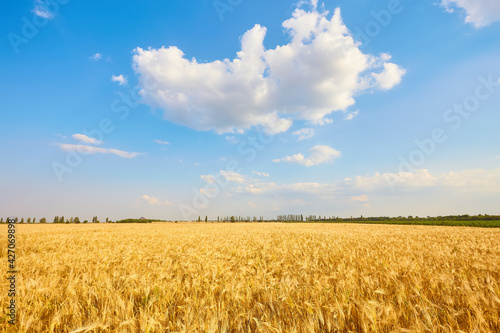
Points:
(43, 220)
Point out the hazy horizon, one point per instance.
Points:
(174, 111)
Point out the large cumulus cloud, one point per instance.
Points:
(319, 71)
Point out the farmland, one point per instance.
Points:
(258, 277)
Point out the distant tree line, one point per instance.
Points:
(57, 219)
(444, 220)
(291, 218)
(490, 221)
(135, 221)
(466, 217)
(234, 219)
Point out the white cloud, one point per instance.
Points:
(486, 180)
(96, 56)
(472, 179)
(480, 13)
(43, 9)
(120, 79)
(208, 192)
(264, 174)
(318, 154)
(208, 178)
(389, 77)
(252, 204)
(161, 142)
(418, 178)
(351, 115)
(86, 139)
(479, 180)
(305, 133)
(311, 188)
(232, 140)
(319, 71)
(93, 150)
(232, 176)
(260, 188)
(154, 201)
(224, 176)
(361, 198)
(321, 122)
(308, 188)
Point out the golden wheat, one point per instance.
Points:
(167, 277)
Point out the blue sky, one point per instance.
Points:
(174, 109)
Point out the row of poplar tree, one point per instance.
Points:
(57, 219)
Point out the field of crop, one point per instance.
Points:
(255, 277)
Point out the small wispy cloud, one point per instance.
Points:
(61, 136)
(321, 122)
(351, 115)
(479, 13)
(96, 56)
(361, 198)
(224, 175)
(154, 201)
(161, 142)
(264, 174)
(120, 79)
(97, 150)
(86, 139)
(305, 133)
(319, 154)
(232, 140)
(42, 10)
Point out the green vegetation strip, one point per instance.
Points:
(458, 223)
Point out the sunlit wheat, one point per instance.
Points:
(255, 278)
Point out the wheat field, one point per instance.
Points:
(255, 277)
